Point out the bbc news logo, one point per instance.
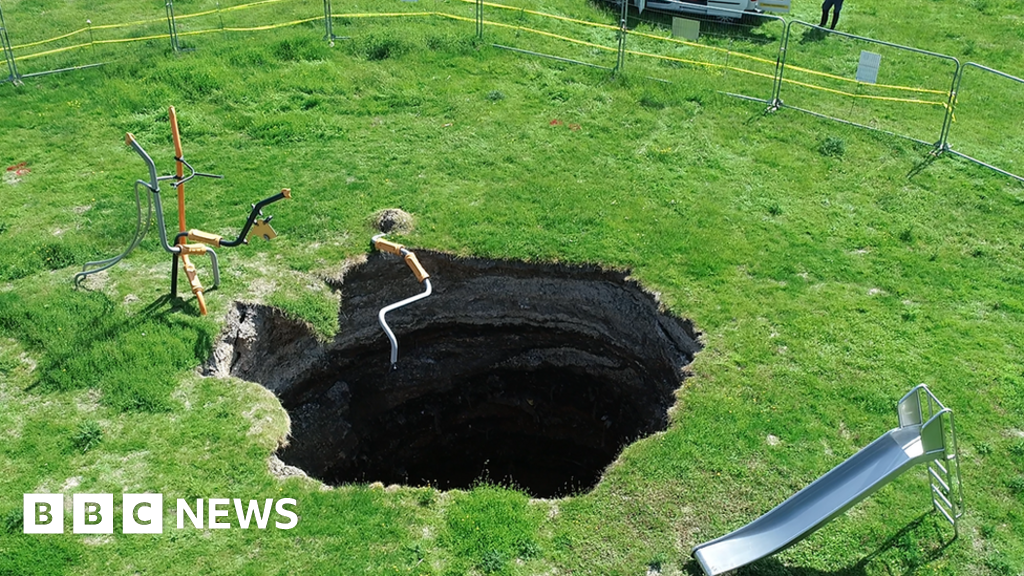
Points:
(144, 513)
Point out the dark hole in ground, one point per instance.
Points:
(535, 375)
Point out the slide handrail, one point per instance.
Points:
(926, 435)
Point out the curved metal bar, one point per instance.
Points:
(178, 181)
(256, 211)
(153, 180)
(216, 267)
(421, 275)
(154, 187)
(160, 224)
(396, 305)
(140, 233)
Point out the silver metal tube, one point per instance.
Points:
(59, 70)
(154, 182)
(216, 267)
(396, 305)
(140, 233)
(160, 225)
(552, 57)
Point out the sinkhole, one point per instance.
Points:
(526, 374)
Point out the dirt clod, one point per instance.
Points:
(393, 220)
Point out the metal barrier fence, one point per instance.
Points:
(998, 95)
(751, 56)
(528, 30)
(894, 102)
(5, 45)
(742, 49)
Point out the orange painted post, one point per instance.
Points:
(179, 169)
(190, 268)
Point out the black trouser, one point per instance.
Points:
(838, 4)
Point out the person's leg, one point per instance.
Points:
(835, 14)
(824, 11)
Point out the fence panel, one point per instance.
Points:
(377, 24)
(739, 51)
(79, 34)
(990, 99)
(910, 98)
(195, 21)
(526, 26)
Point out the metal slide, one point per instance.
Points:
(916, 441)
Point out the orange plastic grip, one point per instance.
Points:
(416, 267)
(392, 247)
(204, 237)
(193, 249)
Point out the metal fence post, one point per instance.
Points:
(943, 144)
(949, 128)
(480, 19)
(5, 42)
(172, 25)
(328, 23)
(620, 57)
(775, 102)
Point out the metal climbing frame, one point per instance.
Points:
(422, 276)
(5, 44)
(153, 201)
(920, 407)
(254, 226)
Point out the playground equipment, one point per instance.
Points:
(422, 277)
(181, 250)
(926, 434)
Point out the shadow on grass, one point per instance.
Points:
(83, 339)
(911, 563)
(922, 165)
(812, 35)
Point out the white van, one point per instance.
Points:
(717, 8)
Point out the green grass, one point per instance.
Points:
(829, 268)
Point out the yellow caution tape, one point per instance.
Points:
(865, 96)
(695, 45)
(250, 29)
(705, 46)
(489, 4)
(141, 22)
(48, 52)
(385, 14)
(530, 30)
(126, 24)
(47, 41)
(546, 15)
(700, 63)
(228, 9)
(510, 27)
(859, 83)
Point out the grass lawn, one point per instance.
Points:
(830, 269)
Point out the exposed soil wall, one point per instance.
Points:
(534, 374)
